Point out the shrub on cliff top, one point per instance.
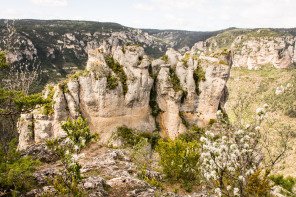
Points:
(118, 70)
(198, 76)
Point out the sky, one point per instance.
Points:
(193, 15)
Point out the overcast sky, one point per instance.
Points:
(196, 15)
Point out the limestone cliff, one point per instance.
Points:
(116, 89)
(255, 48)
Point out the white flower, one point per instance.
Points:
(239, 132)
(224, 138)
(203, 139)
(67, 152)
(246, 146)
(236, 152)
(76, 147)
(82, 155)
(260, 111)
(240, 177)
(207, 132)
(236, 191)
(228, 187)
(83, 142)
(218, 191)
(257, 128)
(249, 172)
(219, 113)
(232, 146)
(231, 169)
(265, 106)
(247, 137)
(211, 135)
(223, 148)
(75, 157)
(244, 151)
(213, 173)
(67, 140)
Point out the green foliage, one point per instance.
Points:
(284, 101)
(287, 183)
(175, 81)
(198, 76)
(141, 153)
(76, 75)
(165, 58)
(3, 63)
(153, 181)
(259, 186)
(185, 62)
(111, 82)
(222, 62)
(131, 138)
(155, 110)
(192, 134)
(212, 121)
(181, 114)
(179, 159)
(78, 136)
(47, 108)
(16, 171)
(64, 86)
(126, 134)
(118, 70)
(78, 131)
(130, 44)
(15, 102)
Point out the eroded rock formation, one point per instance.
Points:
(254, 48)
(117, 87)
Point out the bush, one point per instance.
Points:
(165, 58)
(47, 108)
(141, 153)
(287, 183)
(111, 82)
(198, 76)
(184, 122)
(16, 171)
(259, 186)
(118, 70)
(78, 136)
(131, 138)
(175, 81)
(179, 159)
(192, 134)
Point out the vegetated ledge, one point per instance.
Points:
(116, 87)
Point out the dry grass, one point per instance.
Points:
(257, 85)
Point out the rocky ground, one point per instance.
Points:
(109, 172)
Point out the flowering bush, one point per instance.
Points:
(229, 160)
(78, 136)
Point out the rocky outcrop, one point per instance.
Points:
(109, 173)
(279, 52)
(116, 89)
(254, 48)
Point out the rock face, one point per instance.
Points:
(255, 48)
(116, 89)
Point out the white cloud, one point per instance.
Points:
(50, 3)
(144, 7)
